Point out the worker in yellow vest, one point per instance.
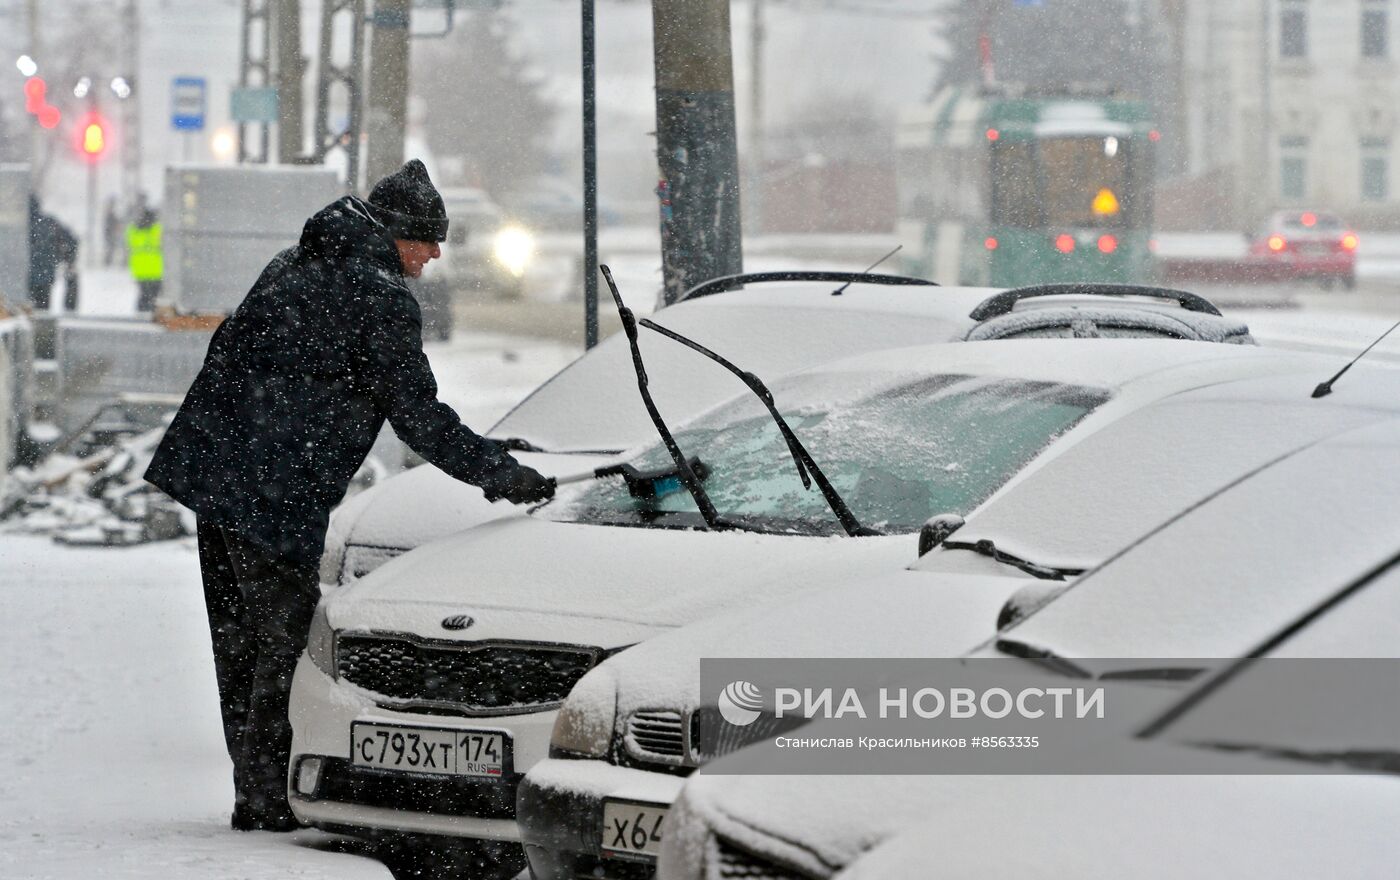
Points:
(144, 258)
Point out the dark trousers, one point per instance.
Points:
(40, 294)
(259, 608)
(146, 299)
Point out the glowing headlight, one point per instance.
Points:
(320, 641)
(514, 248)
(584, 726)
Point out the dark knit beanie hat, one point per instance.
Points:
(408, 203)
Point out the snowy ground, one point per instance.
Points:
(112, 749)
(113, 752)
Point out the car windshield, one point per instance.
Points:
(898, 452)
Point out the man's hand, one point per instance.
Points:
(526, 486)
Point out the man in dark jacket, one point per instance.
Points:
(50, 244)
(295, 387)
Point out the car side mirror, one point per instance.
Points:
(1028, 600)
(936, 530)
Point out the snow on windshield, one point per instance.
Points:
(898, 452)
(1328, 694)
(1136, 472)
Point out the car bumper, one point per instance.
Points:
(346, 797)
(1315, 265)
(560, 807)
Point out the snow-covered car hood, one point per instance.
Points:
(525, 577)
(900, 614)
(419, 505)
(1155, 828)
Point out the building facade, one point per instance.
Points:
(1284, 103)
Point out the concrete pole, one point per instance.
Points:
(291, 68)
(388, 89)
(695, 143)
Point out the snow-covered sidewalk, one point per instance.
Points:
(112, 746)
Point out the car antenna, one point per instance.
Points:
(683, 468)
(800, 456)
(1326, 387)
(842, 289)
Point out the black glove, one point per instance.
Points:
(525, 486)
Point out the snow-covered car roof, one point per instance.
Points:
(776, 327)
(1332, 501)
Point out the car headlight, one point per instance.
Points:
(320, 641)
(584, 726)
(513, 248)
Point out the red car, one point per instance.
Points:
(1307, 244)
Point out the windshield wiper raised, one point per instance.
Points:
(687, 474)
(987, 547)
(800, 456)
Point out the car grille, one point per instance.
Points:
(656, 735)
(732, 863)
(344, 783)
(476, 676)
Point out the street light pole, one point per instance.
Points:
(757, 36)
(590, 181)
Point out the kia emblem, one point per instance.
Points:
(457, 621)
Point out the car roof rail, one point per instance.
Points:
(726, 283)
(1002, 303)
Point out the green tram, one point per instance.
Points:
(1004, 191)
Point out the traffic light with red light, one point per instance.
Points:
(36, 102)
(35, 90)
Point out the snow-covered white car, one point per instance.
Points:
(472, 641)
(772, 323)
(633, 725)
(1298, 559)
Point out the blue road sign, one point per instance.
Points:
(187, 102)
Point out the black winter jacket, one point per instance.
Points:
(298, 382)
